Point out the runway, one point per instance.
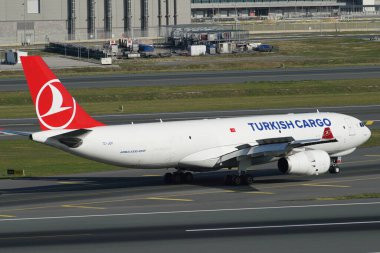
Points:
(206, 77)
(132, 210)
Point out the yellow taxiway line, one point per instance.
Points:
(169, 199)
(69, 182)
(41, 236)
(84, 207)
(6, 216)
(258, 192)
(327, 185)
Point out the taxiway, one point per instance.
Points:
(134, 210)
(206, 77)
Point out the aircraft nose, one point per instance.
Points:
(367, 133)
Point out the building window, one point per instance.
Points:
(33, 6)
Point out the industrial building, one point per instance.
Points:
(202, 10)
(29, 21)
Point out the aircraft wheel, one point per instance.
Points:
(228, 180)
(188, 177)
(176, 178)
(248, 179)
(168, 178)
(334, 170)
(236, 180)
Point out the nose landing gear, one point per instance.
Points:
(334, 168)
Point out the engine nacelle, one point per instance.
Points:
(311, 162)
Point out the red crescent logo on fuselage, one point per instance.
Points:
(54, 106)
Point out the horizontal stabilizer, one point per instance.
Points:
(11, 132)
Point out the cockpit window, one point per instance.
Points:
(361, 124)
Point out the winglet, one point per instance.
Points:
(327, 134)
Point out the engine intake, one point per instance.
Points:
(311, 162)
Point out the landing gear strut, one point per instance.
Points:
(178, 178)
(334, 168)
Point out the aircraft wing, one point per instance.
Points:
(275, 147)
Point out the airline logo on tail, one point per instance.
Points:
(55, 109)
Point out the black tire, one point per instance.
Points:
(168, 178)
(237, 180)
(188, 177)
(334, 170)
(228, 180)
(248, 179)
(176, 178)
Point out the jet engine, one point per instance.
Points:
(311, 162)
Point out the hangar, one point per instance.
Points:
(28, 21)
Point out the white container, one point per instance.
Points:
(106, 61)
(197, 50)
(254, 45)
(21, 53)
(133, 55)
(224, 48)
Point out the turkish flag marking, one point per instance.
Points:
(327, 134)
(232, 130)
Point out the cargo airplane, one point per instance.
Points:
(308, 143)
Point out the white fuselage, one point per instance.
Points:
(199, 143)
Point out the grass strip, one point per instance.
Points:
(250, 95)
(310, 52)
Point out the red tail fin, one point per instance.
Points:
(55, 107)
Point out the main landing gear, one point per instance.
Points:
(242, 177)
(334, 168)
(238, 179)
(178, 177)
